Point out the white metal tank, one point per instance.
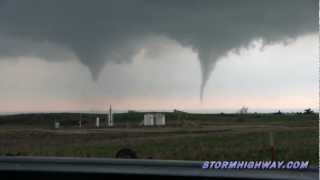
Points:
(110, 117)
(56, 125)
(97, 122)
(160, 119)
(148, 120)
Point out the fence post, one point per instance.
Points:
(273, 149)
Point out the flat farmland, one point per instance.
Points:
(186, 137)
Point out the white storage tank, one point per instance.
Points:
(110, 117)
(148, 120)
(56, 125)
(160, 119)
(97, 122)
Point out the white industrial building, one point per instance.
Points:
(156, 119)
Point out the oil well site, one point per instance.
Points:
(163, 135)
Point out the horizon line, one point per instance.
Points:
(200, 111)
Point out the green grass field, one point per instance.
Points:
(187, 137)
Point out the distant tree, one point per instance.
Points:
(308, 111)
(278, 113)
(243, 110)
(256, 115)
(177, 111)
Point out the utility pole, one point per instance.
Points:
(107, 119)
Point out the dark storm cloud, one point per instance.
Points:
(103, 31)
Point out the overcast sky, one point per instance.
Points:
(158, 55)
